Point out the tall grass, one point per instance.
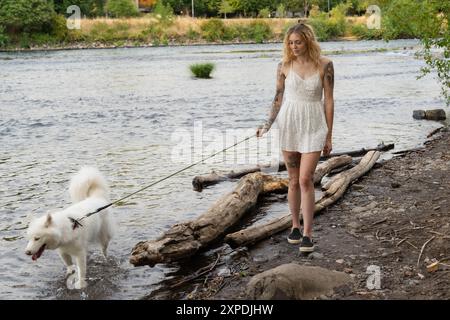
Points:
(182, 29)
(202, 70)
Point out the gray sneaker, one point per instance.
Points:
(295, 237)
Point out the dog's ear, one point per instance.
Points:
(48, 222)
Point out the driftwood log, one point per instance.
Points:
(202, 181)
(334, 189)
(404, 152)
(327, 166)
(437, 130)
(199, 182)
(185, 239)
(363, 151)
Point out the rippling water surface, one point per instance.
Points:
(134, 112)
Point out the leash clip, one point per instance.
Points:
(75, 223)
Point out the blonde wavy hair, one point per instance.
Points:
(312, 46)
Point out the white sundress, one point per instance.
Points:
(301, 119)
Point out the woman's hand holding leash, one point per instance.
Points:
(261, 130)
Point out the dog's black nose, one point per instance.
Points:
(28, 252)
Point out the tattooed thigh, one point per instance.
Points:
(293, 160)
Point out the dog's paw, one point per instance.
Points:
(71, 280)
(70, 270)
(80, 284)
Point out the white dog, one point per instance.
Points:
(88, 191)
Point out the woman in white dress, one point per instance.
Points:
(305, 122)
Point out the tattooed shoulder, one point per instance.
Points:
(329, 72)
(280, 70)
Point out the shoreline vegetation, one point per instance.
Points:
(151, 31)
(39, 24)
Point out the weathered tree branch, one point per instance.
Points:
(363, 151)
(200, 182)
(185, 239)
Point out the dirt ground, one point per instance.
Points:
(394, 215)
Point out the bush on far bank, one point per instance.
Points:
(4, 39)
(259, 31)
(213, 30)
(18, 16)
(329, 26)
(362, 32)
(216, 30)
(121, 8)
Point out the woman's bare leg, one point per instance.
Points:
(308, 166)
(292, 160)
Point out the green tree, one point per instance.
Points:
(165, 11)
(293, 5)
(427, 20)
(121, 8)
(4, 39)
(252, 7)
(237, 5)
(178, 6)
(89, 8)
(281, 11)
(410, 19)
(26, 15)
(360, 6)
(329, 25)
(264, 13)
(383, 4)
(209, 8)
(225, 7)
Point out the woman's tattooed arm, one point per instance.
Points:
(329, 75)
(276, 104)
(328, 87)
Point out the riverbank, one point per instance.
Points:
(100, 46)
(396, 218)
(148, 31)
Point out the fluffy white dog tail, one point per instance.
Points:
(88, 182)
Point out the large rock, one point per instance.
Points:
(294, 282)
(435, 114)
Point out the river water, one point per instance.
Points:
(138, 115)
